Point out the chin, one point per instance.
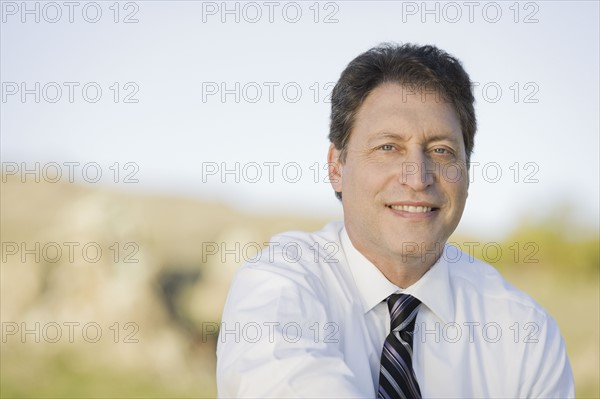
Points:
(417, 246)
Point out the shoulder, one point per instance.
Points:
(330, 233)
(513, 345)
(297, 254)
(294, 265)
(486, 288)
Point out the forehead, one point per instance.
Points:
(400, 110)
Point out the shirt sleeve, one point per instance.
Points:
(273, 341)
(548, 368)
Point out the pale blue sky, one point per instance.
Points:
(177, 49)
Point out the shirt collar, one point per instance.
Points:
(433, 289)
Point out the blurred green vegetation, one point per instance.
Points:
(60, 376)
(552, 245)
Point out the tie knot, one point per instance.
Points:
(403, 310)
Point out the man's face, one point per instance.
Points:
(404, 180)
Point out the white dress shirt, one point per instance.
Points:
(307, 318)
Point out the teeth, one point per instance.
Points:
(412, 209)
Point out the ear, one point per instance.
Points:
(335, 167)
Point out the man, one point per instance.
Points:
(380, 305)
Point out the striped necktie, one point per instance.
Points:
(396, 376)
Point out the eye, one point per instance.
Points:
(387, 147)
(442, 151)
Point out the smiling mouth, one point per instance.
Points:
(413, 209)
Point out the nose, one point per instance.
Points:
(418, 170)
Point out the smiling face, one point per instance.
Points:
(404, 180)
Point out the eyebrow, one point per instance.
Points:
(401, 137)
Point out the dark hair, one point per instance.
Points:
(415, 67)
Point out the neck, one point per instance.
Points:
(402, 269)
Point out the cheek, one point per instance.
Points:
(455, 180)
(454, 173)
(367, 184)
(354, 178)
(458, 196)
(367, 181)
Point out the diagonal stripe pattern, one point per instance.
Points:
(396, 376)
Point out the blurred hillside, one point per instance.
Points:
(164, 275)
(116, 294)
